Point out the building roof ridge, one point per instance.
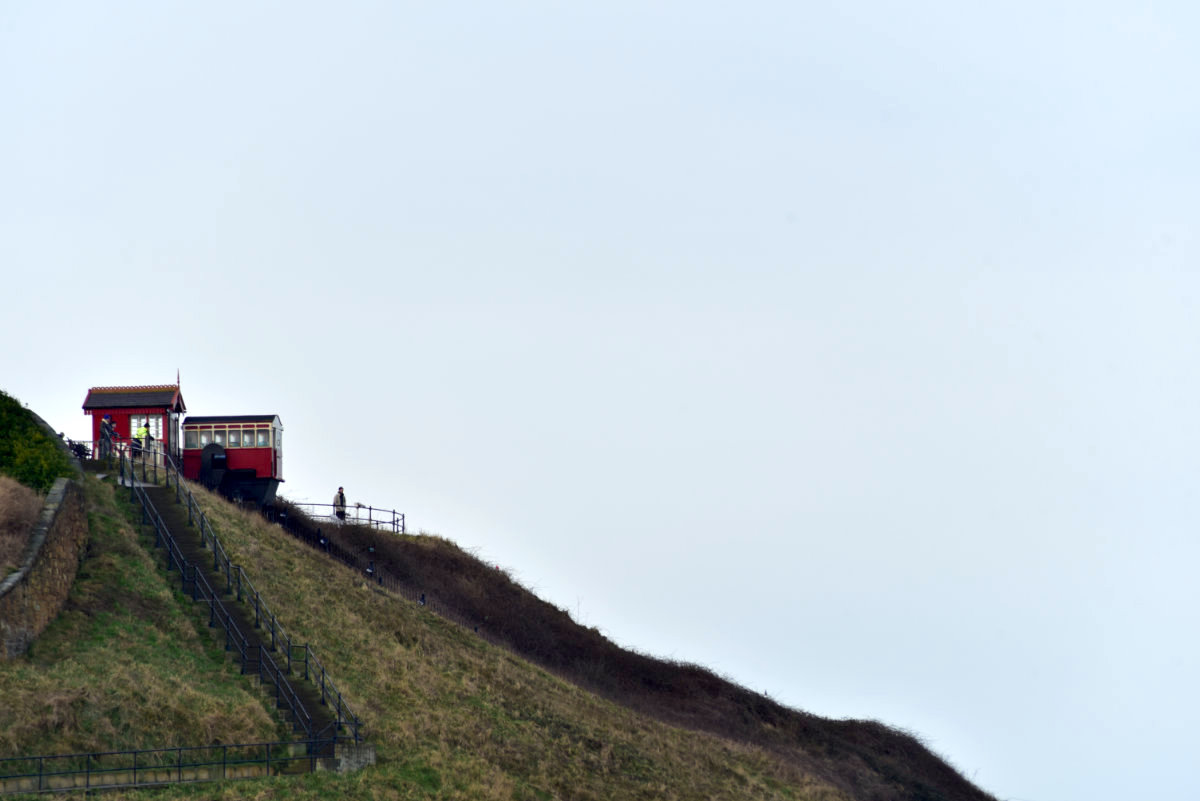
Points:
(142, 387)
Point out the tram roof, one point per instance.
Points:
(231, 418)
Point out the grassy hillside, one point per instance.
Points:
(865, 759)
(474, 720)
(131, 664)
(125, 664)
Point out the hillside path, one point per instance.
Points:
(174, 516)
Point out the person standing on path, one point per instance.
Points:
(339, 505)
(106, 436)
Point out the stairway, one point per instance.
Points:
(174, 516)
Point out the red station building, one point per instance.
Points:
(159, 408)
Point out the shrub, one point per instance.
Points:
(27, 452)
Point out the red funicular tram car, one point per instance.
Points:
(239, 455)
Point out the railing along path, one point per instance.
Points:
(356, 514)
(253, 659)
(154, 767)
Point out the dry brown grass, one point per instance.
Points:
(19, 510)
(443, 706)
(866, 759)
(451, 715)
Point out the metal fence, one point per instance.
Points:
(111, 447)
(149, 464)
(116, 769)
(356, 515)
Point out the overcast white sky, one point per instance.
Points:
(846, 349)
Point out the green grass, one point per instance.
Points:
(454, 717)
(131, 664)
(125, 665)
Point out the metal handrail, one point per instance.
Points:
(246, 591)
(377, 517)
(234, 639)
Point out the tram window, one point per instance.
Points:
(191, 438)
(205, 438)
(264, 438)
(219, 436)
(235, 438)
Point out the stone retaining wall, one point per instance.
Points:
(33, 596)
